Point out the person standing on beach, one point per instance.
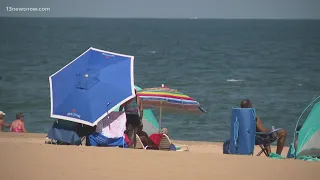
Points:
(281, 134)
(133, 106)
(3, 122)
(18, 124)
(134, 112)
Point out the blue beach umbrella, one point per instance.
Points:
(91, 86)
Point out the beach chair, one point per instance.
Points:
(165, 144)
(139, 144)
(65, 133)
(264, 140)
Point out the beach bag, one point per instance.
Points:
(172, 148)
(226, 147)
(291, 151)
(242, 131)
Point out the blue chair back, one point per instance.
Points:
(242, 131)
(65, 131)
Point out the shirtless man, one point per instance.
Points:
(18, 124)
(281, 134)
(3, 122)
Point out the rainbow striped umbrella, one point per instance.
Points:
(167, 99)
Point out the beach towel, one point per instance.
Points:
(304, 158)
(97, 139)
(309, 158)
(275, 156)
(114, 126)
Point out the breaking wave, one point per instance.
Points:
(234, 80)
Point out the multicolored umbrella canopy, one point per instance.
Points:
(167, 99)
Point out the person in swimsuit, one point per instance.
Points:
(133, 105)
(18, 124)
(3, 122)
(134, 111)
(281, 134)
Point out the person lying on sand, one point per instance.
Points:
(3, 122)
(281, 134)
(18, 124)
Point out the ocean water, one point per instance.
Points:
(275, 63)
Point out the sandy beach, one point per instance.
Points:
(26, 156)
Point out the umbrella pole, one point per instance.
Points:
(160, 117)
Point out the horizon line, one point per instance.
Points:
(159, 18)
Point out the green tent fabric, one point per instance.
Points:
(309, 134)
(150, 123)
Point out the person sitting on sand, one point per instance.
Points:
(156, 138)
(18, 124)
(281, 134)
(3, 122)
(153, 140)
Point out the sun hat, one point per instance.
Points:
(2, 113)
